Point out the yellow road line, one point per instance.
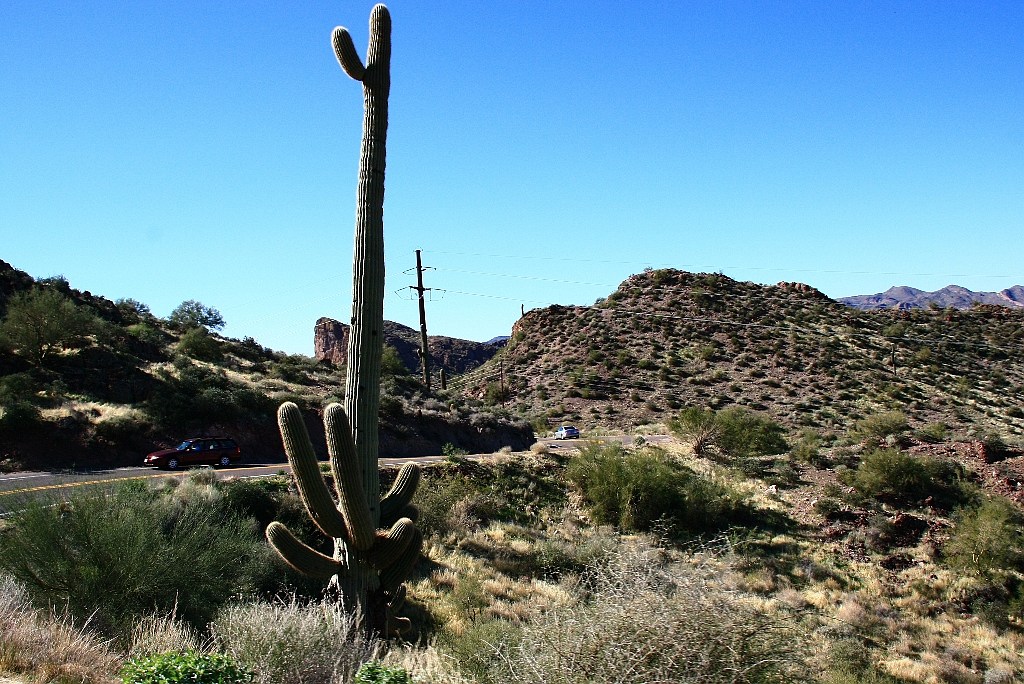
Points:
(83, 483)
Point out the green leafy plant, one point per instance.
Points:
(185, 668)
(375, 672)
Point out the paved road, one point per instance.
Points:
(15, 487)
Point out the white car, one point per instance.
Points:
(567, 432)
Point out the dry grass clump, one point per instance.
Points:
(156, 633)
(50, 647)
(288, 641)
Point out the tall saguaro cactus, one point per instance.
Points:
(365, 342)
(369, 563)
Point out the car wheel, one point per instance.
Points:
(224, 461)
(172, 464)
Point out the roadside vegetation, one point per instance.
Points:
(599, 564)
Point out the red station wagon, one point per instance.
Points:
(219, 451)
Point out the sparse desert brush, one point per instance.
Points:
(288, 640)
(539, 449)
(645, 617)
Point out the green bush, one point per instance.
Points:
(379, 673)
(896, 477)
(18, 418)
(110, 559)
(184, 668)
(41, 322)
(644, 489)
(198, 344)
(746, 434)
(149, 334)
(808, 447)
(734, 432)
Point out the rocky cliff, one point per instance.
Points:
(330, 343)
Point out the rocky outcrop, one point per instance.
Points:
(330, 343)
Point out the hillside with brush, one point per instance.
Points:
(667, 339)
(88, 382)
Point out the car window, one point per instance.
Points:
(184, 445)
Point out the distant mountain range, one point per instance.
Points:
(951, 296)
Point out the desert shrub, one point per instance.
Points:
(880, 426)
(197, 343)
(39, 323)
(111, 559)
(288, 641)
(19, 418)
(746, 434)
(734, 431)
(897, 477)
(647, 619)
(192, 314)
(49, 646)
(144, 332)
(933, 433)
(643, 489)
(698, 428)
(437, 501)
(807, 448)
(987, 540)
(183, 668)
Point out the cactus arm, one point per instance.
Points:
(346, 53)
(297, 554)
(391, 577)
(401, 492)
(347, 478)
(315, 495)
(391, 544)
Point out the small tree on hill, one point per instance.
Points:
(41, 322)
(192, 314)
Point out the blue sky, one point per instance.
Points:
(538, 152)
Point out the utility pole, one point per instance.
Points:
(424, 352)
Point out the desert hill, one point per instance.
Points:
(667, 339)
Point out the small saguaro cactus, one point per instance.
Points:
(361, 550)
